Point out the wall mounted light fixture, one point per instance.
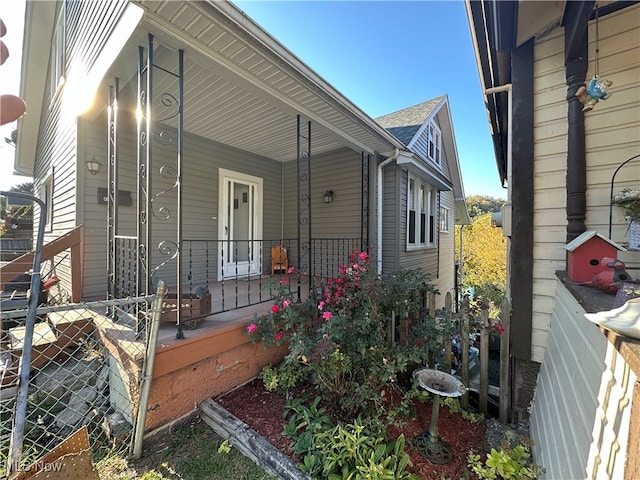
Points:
(93, 165)
(328, 196)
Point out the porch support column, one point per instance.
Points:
(179, 333)
(364, 208)
(143, 154)
(112, 184)
(303, 170)
(576, 64)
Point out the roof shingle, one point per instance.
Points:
(405, 123)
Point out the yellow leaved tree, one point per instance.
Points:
(484, 258)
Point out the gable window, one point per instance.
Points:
(421, 208)
(444, 219)
(58, 54)
(435, 143)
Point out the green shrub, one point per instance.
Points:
(347, 340)
(283, 377)
(508, 463)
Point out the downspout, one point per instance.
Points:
(507, 211)
(379, 209)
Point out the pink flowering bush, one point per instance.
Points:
(357, 338)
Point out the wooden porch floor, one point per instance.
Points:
(233, 302)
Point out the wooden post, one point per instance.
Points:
(464, 377)
(484, 360)
(505, 377)
(432, 313)
(448, 305)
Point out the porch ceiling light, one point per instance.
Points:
(93, 165)
(328, 196)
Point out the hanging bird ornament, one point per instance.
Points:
(594, 92)
(597, 89)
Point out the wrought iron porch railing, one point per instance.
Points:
(222, 275)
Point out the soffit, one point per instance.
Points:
(244, 89)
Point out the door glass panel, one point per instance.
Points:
(241, 221)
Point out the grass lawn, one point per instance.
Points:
(189, 452)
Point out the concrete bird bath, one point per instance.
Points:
(440, 384)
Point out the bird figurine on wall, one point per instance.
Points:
(596, 90)
(608, 280)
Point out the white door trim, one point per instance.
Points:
(254, 265)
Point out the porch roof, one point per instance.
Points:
(241, 86)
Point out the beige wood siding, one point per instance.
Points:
(613, 126)
(581, 368)
(612, 136)
(550, 152)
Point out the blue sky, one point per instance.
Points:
(383, 56)
(386, 56)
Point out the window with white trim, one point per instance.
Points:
(58, 53)
(435, 143)
(46, 195)
(444, 219)
(421, 208)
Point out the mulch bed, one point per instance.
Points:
(262, 411)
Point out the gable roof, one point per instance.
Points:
(242, 87)
(405, 124)
(408, 124)
(589, 234)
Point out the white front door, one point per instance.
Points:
(240, 227)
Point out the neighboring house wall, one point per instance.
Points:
(582, 405)
(550, 152)
(611, 137)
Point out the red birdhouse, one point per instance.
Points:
(585, 254)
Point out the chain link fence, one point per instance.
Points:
(87, 369)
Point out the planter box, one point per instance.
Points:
(191, 307)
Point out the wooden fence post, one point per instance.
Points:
(505, 377)
(464, 355)
(431, 299)
(484, 360)
(448, 306)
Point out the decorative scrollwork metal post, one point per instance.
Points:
(303, 176)
(365, 164)
(154, 200)
(112, 184)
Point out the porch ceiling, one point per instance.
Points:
(244, 89)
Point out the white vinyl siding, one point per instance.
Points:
(582, 407)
